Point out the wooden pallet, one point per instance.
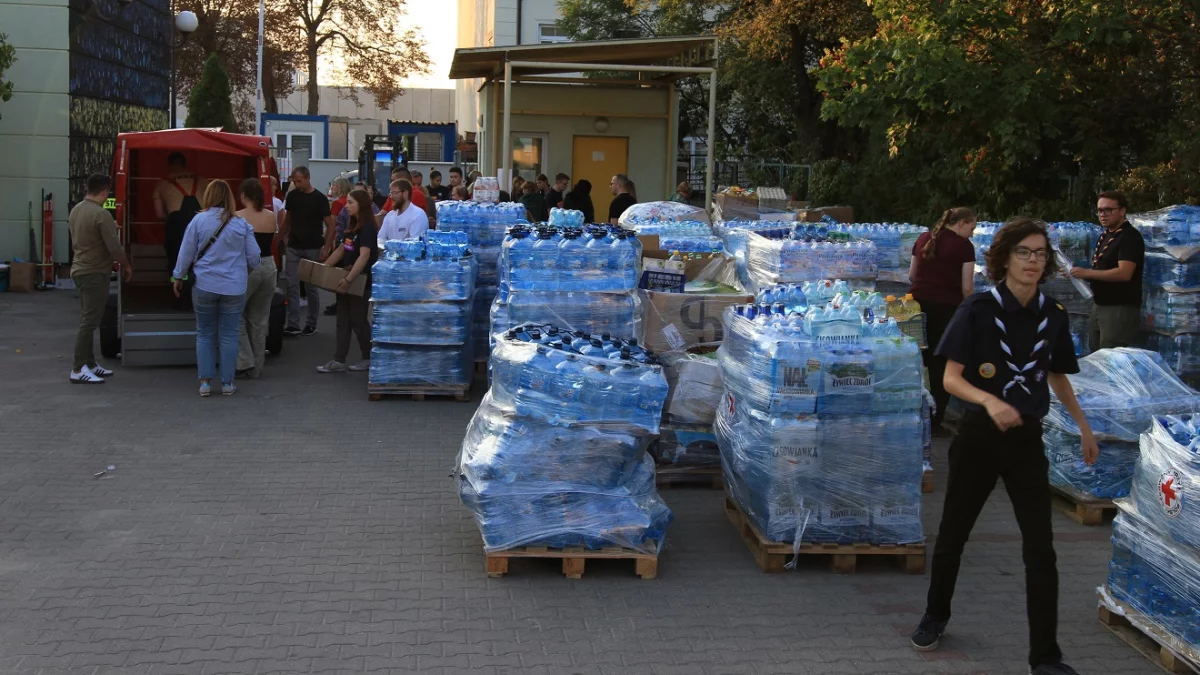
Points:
(772, 556)
(645, 565)
(667, 477)
(927, 485)
(1149, 640)
(1081, 509)
(378, 392)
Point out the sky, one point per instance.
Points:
(439, 29)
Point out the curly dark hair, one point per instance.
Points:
(1007, 238)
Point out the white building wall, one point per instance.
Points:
(35, 127)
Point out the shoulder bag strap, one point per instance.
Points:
(211, 240)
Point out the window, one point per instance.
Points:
(428, 147)
(550, 33)
(528, 154)
(295, 147)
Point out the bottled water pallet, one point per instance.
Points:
(1149, 640)
(772, 556)
(670, 476)
(378, 392)
(1081, 508)
(645, 565)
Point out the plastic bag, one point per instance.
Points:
(652, 212)
(695, 389)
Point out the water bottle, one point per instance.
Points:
(597, 392)
(569, 383)
(570, 260)
(599, 268)
(651, 395)
(625, 387)
(543, 260)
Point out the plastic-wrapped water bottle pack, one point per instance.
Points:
(566, 218)
(1174, 230)
(1120, 391)
(594, 259)
(771, 262)
(1169, 274)
(422, 293)
(893, 242)
(556, 454)
(1170, 313)
(485, 224)
(1156, 575)
(821, 432)
(1076, 240)
(617, 313)
(1180, 352)
(673, 228)
(1166, 482)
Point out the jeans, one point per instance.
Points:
(93, 298)
(352, 316)
(252, 330)
(937, 318)
(292, 272)
(1113, 326)
(217, 318)
(979, 454)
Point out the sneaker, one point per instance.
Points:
(332, 367)
(365, 364)
(228, 389)
(85, 376)
(100, 370)
(1056, 668)
(291, 331)
(205, 389)
(309, 330)
(925, 637)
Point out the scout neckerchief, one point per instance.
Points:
(1018, 378)
(1109, 237)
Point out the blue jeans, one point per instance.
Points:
(217, 319)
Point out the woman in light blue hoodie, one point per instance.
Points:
(217, 254)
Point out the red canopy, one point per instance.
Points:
(199, 140)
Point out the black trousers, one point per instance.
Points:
(979, 454)
(937, 318)
(352, 317)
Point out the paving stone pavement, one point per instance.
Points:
(298, 528)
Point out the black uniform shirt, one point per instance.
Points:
(1123, 243)
(975, 339)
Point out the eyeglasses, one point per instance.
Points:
(1023, 253)
(1107, 210)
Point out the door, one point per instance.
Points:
(528, 154)
(597, 159)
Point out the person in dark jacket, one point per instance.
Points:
(534, 203)
(580, 199)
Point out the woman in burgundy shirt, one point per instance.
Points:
(942, 274)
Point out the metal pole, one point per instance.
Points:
(712, 134)
(506, 156)
(258, 104)
(171, 49)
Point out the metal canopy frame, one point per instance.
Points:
(674, 58)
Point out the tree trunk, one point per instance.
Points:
(313, 94)
(806, 106)
(270, 97)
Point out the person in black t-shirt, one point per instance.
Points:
(1116, 277)
(620, 187)
(554, 195)
(580, 199)
(1005, 349)
(438, 191)
(356, 254)
(307, 233)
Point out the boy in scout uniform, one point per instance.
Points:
(1005, 349)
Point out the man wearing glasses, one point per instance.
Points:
(1115, 276)
(405, 220)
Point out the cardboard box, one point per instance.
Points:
(324, 276)
(842, 214)
(695, 390)
(680, 321)
(22, 277)
(737, 207)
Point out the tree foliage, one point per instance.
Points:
(8, 56)
(1019, 106)
(210, 103)
(366, 37)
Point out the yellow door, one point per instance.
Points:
(597, 159)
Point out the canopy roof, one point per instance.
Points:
(695, 51)
(202, 140)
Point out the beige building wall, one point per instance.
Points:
(34, 128)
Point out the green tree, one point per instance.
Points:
(1019, 107)
(8, 56)
(209, 104)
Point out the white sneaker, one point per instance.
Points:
(332, 367)
(365, 364)
(85, 376)
(100, 370)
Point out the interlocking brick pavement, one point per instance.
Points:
(297, 527)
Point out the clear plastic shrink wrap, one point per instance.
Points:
(556, 454)
(1120, 391)
(820, 430)
(1166, 484)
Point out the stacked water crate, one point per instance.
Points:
(893, 246)
(582, 278)
(820, 432)
(1120, 391)
(422, 294)
(556, 454)
(1171, 286)
(809, 254)
(1154, 576)
(485, 225)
